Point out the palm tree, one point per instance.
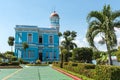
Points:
(102, 23)
(25, 46)
(11, 42)
(68, 42)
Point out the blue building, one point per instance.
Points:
(43, 42)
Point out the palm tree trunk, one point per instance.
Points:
(61, 64)
(109, 56)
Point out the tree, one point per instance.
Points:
(11, 42)
(69, 38)
(25, 46)
(102, 23)
(9, 55)
(82, 54)
(59, 34)
(67, 43)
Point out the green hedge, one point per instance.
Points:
(15, 63)
(99, 72)
(4, 64)
(80, 68)
(9, 64)
(57, 64)
(107, 73)
(37, 64)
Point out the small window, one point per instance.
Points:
(51, 55)
(40, 39)
(51, 39)
(54, 55)
(46, 54)
(29, 38)
(19, 37)
(30, 54)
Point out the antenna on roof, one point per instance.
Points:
(54, 9)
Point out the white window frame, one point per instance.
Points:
(28, 38)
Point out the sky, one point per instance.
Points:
(72, 14)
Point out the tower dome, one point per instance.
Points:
(54, 14)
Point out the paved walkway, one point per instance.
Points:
(32, 73)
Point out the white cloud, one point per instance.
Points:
(85, 40)
(97, 39)
(117, 29)
(80, 42)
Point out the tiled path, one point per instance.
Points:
(32, 73)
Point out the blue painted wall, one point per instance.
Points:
(50, 52)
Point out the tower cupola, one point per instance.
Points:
(54, 19)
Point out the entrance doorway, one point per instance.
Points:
(40, 56)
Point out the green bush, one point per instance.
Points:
(25, 62)
(49, 62)
(118, 56)
(65, 63)
(15, 63)
(107, 72)
(0, 60)
(57, 64)
(14, 58)
(38, 61)
(20, 60)
(37, 64)
(4, 64)
(81, 68)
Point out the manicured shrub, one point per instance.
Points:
(118, 56)
(20, 60)
(65, 63)
(107, 72)
(49, 62)
(57, 64)
(4, 64)
(25, 62)
(15, 63)
(14, 58)
(37, 64)
(38, 61)
(0, 60)
(74, 64)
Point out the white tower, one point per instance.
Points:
(54, 19)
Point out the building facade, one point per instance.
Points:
(43, 42)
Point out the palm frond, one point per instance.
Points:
(95, 14)
(115, 15)
(107, 11)
(116, 24)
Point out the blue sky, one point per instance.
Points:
(37, 12)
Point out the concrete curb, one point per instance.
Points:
(70, 75)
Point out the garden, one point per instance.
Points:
(78, 61)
